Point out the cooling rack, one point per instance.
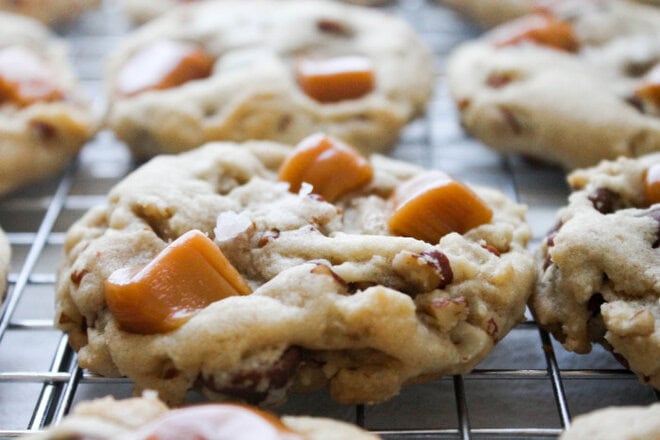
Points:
(529, 387)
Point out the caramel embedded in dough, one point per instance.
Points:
(163, 65)
(185, 277)
(432, 205)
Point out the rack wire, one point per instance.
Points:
(529, 387)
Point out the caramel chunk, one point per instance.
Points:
(329, 165)
(185, 277)
(649, 89)
(432, 205)
(336, 79)
(25, 78)
(163, 65)
(541, 29)
(217, 421)
(652, 184)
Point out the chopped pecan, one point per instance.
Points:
(605, 200)
(330, 26)
(255, 384)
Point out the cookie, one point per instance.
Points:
(43, 119)
(492, 13)
(599, 276)
(141, 11)
(226, 71)
(569, 91)
(320, 292)
(5, 255)
(145, 417)
(49, 12)
(617, 423)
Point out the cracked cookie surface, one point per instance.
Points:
(251, 86)
(599, 276)
(146, 417)
(337, 301)
(44, 121)
(570, 86)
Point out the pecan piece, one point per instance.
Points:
(605, 200)
(254, 385)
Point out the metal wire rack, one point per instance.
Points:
(529, 387)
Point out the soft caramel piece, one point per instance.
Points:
(649, 88)
(216, 422)
(336, 79)
(163, 65)
(329, 165)
(185, 277)
(652, 184)
(433, 204)
(25, 78)
(541, 29)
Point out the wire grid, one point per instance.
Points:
(529, 387)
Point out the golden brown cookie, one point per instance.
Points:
(246, 270)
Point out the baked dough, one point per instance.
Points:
(571, 109)
(599, 278)
(617, 423)
(337, 300)
(5, 256)
(40, 139)
(127, 419)
(141, 11)
(252, 92)
(489, 13)
(49, 12)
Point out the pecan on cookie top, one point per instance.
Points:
(226, 71)
(243, 271)
(44, 121)
(571, 85)
(146, 417)
(599, 268)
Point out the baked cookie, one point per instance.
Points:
(5, 256)
(322, 286)
(489, 13)
(43, 119)
(617, 423)
(600, 268)
(141, 11)
(570, 87)
(147, 417)
(226, 71)
(49, 12)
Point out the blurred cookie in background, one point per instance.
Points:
(616, 423)
(146, 417)
(50, 12)
(224, 70)
(44, 117)
(5, 256)
(571, 85)
(141, 11)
